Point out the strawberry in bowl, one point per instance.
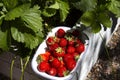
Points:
(65, 49)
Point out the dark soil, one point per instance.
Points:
(107, 66)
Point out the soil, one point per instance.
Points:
(107, 66)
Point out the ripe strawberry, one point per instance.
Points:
(53, 46)
(63, 42)
(52, 71)
(43, 57)
(70, 49)
(55, 63)
(50, 40)
(60, 33)
(70, 40)
(80, 48)
(67, 57)
(70, 64)
(76, 55)
(78, 42)
(62, 71)
(44, 66)
(59, 52)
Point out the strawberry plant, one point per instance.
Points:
(24, 23)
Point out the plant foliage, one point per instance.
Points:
(27, 21)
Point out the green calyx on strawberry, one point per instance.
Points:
(62, 71)
(53, 47)
(52, 40)
(59, 52)
(55, 63)
(43, 57)
(76, 55)
(70, 40)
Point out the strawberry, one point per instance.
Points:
(43, 57)
(80, 48)
(70, 49)
(56, 39)
(78, 42)
(67, 57)
(44, 66)
(62, 71)
(63, 42)
(76, 55)
(60, 33)
(59, 52)
(71, 42)
(55, 63)
(52, 71)
(70, 64)
(53, 46)
(50, 40)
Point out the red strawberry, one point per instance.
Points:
(70, 40)
(55, 63)
(51, 58)
(67, 57)
(70, 64)
(44, 66)
(80, 48)
(78, 42)
(59, 52)
(53, 46)
(52, 71)
(60, 33)
(63, 42)
(62, 71)
(50, 40)
(43, 57)
(70, 49)
(76, 55)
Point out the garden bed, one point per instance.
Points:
(107, 68)
(104, 69)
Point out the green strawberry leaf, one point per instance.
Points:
(3, 40)
(54, 6)
(88, 18)
(64, 10)
(105, 20)
(85, 5)
(96, 27)
(49, 12)
(32, 19)
(29, 40)
(17, 12)
(114, 7)
(10, 4)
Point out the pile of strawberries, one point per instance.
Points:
(62, 53)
